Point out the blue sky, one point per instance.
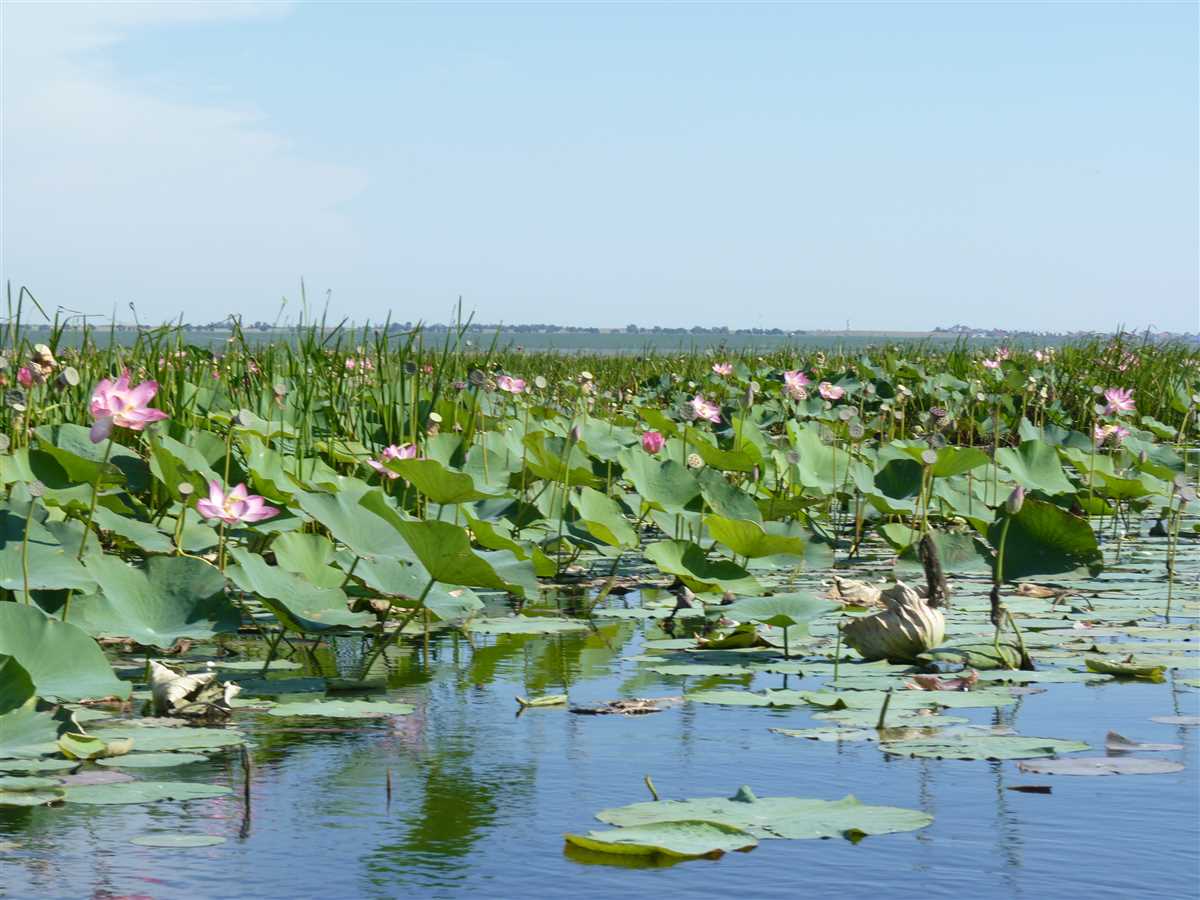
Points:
(898, 165)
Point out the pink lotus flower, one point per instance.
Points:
(991, 364)
(117, 404)
(723, 368)
(239, 505)
(703, 409)
(390, 452)
(351, 363)
(1119, 400)
(831, 391)
(510, 384)
(25, 377)
(796, 384)
(653, 441)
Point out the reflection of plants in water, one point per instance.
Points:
(545, 663)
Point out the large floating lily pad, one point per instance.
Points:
(1100, 765)
(341, 709)
(776, 817)
(524, 625)
(676, 840)
(29, 790)
(176, 841)
(155, 739)
(152, 760)
(142, 792)
(984, 746)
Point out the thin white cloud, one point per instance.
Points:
(112, 194)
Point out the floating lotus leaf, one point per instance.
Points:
(37, 765)
(29, 790)
(1100, 765)
(1143, 671)
(176, 841)
(160, 738)
(676, 840)
(141, 792)
(524, 625)
(63, 661)
(1115, 742)
(984, 746)
(152, 760)
(790, 818)
(341, 709)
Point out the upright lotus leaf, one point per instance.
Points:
(554, 458)
(353, 522)
(780, 610)
(957, 551)
(64, 662)
(51, 564)
(445, 552)
(403, 583)
(172, 597)
(1044, 539)
(16, 687)
(658, 421)
(496, 534)
(818, 466)
(726, 499)
(310, 556)
(750, 539)
(175, 463)
(436, 482)
(740, 460)
(28, 732)
(791, 818)
(604, 439)
(950, 460)
(299, 605)
(603, 518)
(71, 445)
(674, 840)
(688, 562)
(665, 484)
(1035, 466)
(141, 534)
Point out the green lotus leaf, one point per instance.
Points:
(1035, 465)
(1044, 539)
(780, 610)
(750, 539)
(982, 746)
(340, 709)
(445, 552)
(161, 760)
(790, 818)
(437, 482)
(299, 605)
(172, 597)
(28, 731)
(689, 563)
(141, 792)
(64, 661)
(675, 840)
(603, 518)
(664, 484)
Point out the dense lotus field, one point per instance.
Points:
(189, 537)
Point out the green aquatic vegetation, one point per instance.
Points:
(675, 840)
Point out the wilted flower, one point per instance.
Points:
(796, 384)
(117, 404)
(510, 384)
(239, 505)
(831, 391)
(390, 452)
(723, 368)
(653, 441)
(1119, 400)
(703, 409)
(1105, 433)
(907, 628)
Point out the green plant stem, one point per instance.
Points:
(87, 528)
